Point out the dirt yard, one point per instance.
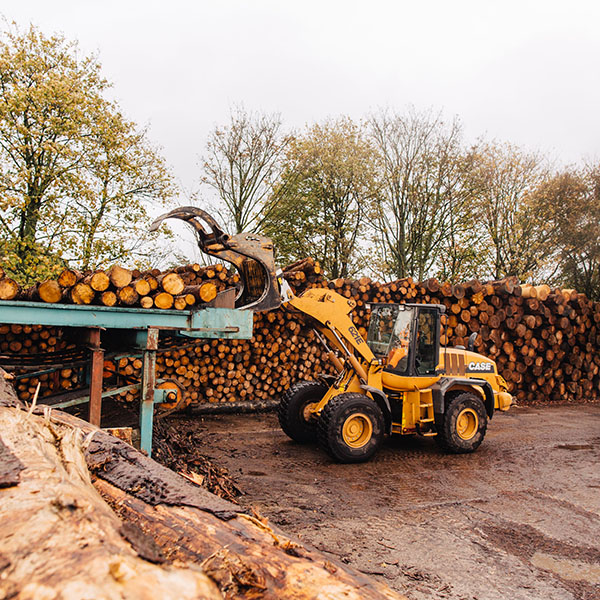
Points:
(519, 519)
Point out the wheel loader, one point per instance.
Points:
(399, 381)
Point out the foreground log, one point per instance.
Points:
(167, 538)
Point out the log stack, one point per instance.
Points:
(545, 341)
(33, 343)
(178, 289)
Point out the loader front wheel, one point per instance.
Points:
(462, 427)
(351, 428)
(294, 410)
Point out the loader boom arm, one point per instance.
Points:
(331, 313)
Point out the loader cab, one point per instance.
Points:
(406, 337)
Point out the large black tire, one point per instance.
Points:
(351, 428)
(292, 410)
(462, 427)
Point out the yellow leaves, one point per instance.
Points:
(75, 175)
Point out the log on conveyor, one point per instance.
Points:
(178, 288)
(9, 288)
(97, 519)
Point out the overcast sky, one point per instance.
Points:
(525, 72)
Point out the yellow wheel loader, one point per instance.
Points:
(397, 381)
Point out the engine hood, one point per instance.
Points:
(456, 361)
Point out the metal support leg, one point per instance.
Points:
(147, 390)
(95, 406)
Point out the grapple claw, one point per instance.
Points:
(250, 253)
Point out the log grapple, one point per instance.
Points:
(250, 253)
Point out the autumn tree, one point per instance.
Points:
(422, 223)
(569, 206)
(504, 178)
(69, 161)
(120, 175)
(319, 207)
(243, 160)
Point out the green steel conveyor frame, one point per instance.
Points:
(211, 323)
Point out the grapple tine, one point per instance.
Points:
(190, 214)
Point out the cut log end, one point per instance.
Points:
(50, 292)
(119, 276)
(9, 289)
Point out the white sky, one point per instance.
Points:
(527, 72)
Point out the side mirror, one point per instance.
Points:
(471, 342)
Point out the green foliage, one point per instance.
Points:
(569, 205)
(319, 207)
(74, 174)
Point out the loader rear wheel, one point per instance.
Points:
(463, 425)
(351, 428)
(293, 412)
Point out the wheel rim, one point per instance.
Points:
(357, 430)
(307, 410)
(467, 424)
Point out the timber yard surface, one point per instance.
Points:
(519, 519)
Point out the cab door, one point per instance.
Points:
(414, 350)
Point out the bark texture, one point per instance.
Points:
(87, 516)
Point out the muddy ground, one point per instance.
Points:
(519, 519)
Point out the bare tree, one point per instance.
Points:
(420, 214)
(465, 249)
(504, 178)
(243, 160)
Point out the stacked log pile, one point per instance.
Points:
(545, 341)
(178, 289)
(118, 286)
(36, 344)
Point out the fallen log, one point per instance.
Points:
(148, 533)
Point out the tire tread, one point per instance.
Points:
(283, 410)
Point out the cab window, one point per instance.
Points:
(381, 329)
(426, 358)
